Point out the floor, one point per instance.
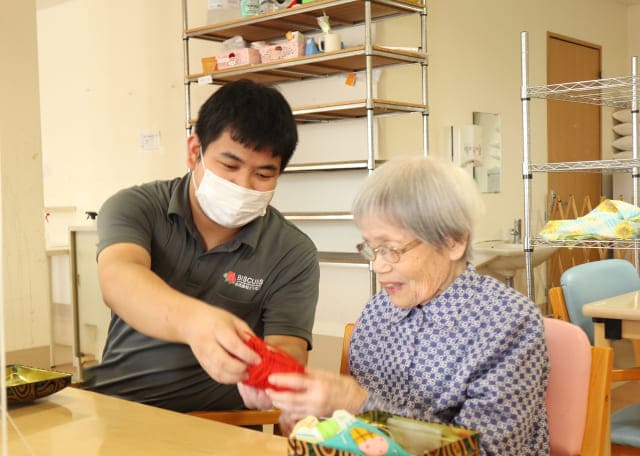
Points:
(63, 359)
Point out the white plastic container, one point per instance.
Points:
(249, 7)
(222, 10)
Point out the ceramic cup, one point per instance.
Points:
(330, 42)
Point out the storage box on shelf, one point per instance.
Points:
(617, 92)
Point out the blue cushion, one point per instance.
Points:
(593, 281)
(625, 426)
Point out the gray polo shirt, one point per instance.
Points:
(267, 275)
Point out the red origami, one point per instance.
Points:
(272, 360)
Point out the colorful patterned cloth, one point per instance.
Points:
(474, 356)
(610, 220)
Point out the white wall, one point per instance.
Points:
(120, 73)
(109, 71)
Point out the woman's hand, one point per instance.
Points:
(254, 398)
(318, 393)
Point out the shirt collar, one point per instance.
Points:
(397, 314)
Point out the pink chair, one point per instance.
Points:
(578, 391)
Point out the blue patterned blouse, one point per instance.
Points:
(474, 356)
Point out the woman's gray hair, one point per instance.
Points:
(433, 199)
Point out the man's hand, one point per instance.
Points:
(216, 338)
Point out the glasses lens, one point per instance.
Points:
(391, 256)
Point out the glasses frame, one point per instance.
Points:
(369, 253)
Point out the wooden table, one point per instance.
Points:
(616, 318)
(78, 422)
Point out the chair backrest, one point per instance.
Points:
(577, 397)
(594, 281)
(344, 358)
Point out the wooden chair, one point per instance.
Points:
(344, 358)
(243, 417)
(578, 391)
(589, 282)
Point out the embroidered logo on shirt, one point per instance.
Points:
(243, 281)
(230, 277)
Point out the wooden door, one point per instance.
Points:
(573, 134)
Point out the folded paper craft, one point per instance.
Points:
(272, 360)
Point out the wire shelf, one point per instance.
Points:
(590, 243)
(617, 92)
(596, 166)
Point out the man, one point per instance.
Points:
(191, 266)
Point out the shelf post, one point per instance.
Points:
(371, 158)
(635, 172)
(424, 68)
(526, 162)
(186, 71)
(368, 46)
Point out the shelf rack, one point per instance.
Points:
(366, 57)
(343, 13)
(616, 92)
(591, 243)
(270, 26)
(352, 59)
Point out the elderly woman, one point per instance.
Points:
(439, 342)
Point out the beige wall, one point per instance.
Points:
(474, 65)
(120, 74)
(24, 274)
(109, 72)
(474, 56)
(112, 70)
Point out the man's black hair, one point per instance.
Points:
(256, 115)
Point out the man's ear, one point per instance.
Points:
(193, 151)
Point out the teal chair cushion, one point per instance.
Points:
(589, 282)
(625, 426)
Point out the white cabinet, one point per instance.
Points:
(91, 316)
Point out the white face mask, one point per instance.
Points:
(228, 204)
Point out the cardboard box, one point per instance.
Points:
(209, 64)
(238, 57)
(455, 440)
(292, 48)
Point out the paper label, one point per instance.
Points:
(204, 80)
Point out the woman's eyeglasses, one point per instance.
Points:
(388, 254)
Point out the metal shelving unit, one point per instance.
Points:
(617, 92)
(365, 57)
